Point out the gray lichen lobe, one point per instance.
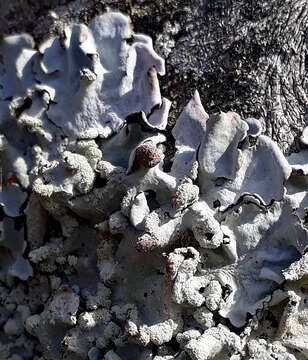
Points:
(108, 253)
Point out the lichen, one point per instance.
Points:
(117, 254)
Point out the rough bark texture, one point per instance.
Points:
(245, 56)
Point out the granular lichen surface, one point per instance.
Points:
(110, 248)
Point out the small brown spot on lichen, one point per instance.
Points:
(148, 155)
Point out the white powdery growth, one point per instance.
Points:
(146, 261)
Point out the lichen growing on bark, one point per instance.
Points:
(135, 255)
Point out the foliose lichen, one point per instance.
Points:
(106, 253)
